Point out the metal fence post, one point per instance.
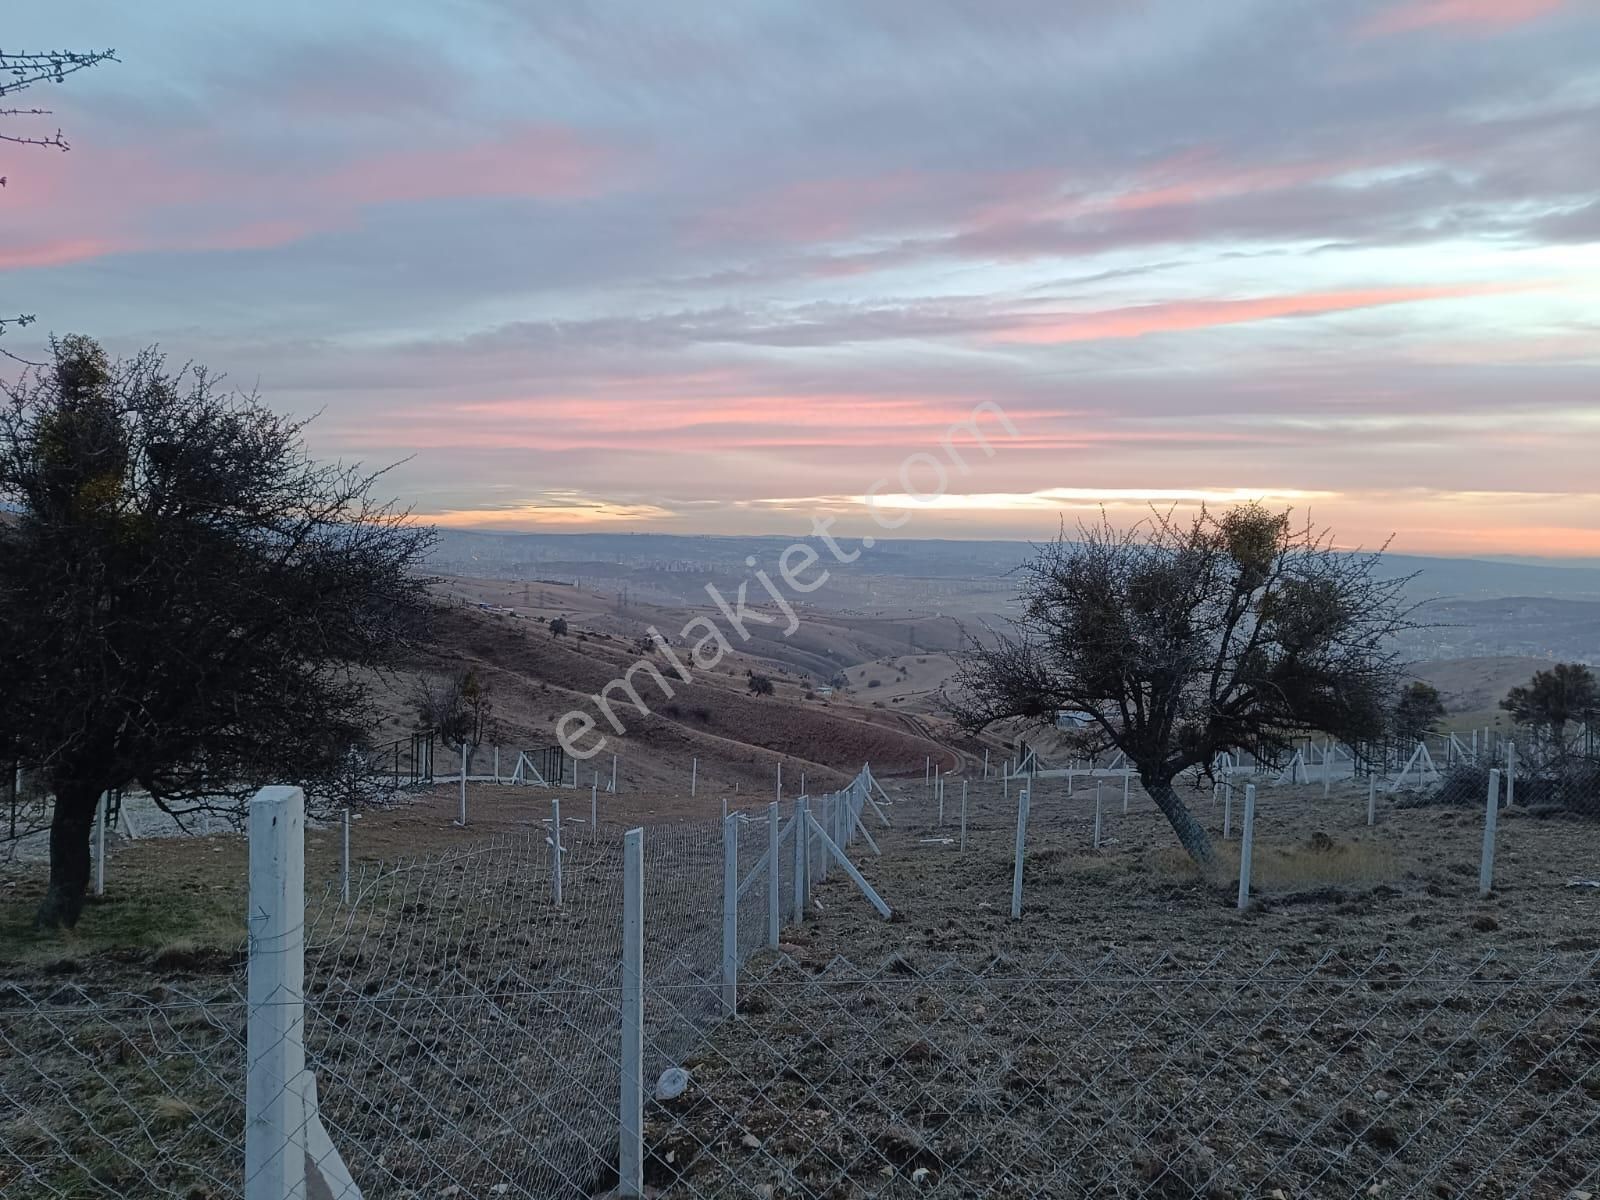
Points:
(463, 785)
(1247, 844)
(630, 1121)
(1022, 837)
(1097, 816)
(1511, 774)
(1125, 777)
(694, 774)
(275, 1124)
(774, 900)
(730, 914)
(1372, 799)
(1490, 820)
(1227, 811)
(344, 877)
(555, 848)
(613, 786)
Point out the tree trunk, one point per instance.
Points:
(70, 828)
(1190, 832)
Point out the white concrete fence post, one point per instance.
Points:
(100, 844)
(801, 839)
(730, 914)
(1022, 838)
(555, 850)
(964, 811)
(630, 1124)
(1491, 817)
(774, 899)
(1247, 843)
(286, 1147)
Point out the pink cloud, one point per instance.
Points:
(1477, 16)
(1181, 315)
(539, 161)
(177, 199)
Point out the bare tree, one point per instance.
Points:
(1179, 641)
(459, 707)
(188, 603)
(18, 72)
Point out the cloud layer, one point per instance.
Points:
(699, 266)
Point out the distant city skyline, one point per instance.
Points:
(723, 268)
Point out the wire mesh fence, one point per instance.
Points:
(462, 1014)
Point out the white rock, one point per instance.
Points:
(673, 1083)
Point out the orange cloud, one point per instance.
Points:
(1180, 315)
(1481, 16)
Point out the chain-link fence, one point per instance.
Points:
(466, 1016)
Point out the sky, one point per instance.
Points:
(725, 267)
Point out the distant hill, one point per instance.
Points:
(616, 556)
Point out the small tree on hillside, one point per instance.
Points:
(1566, 693)
(1417, 710)
(188, 604)
(1180, 641)
(558, 627)
(760, 685)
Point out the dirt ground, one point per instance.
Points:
(1369, 1027)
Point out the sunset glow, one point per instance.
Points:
(704, 268)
